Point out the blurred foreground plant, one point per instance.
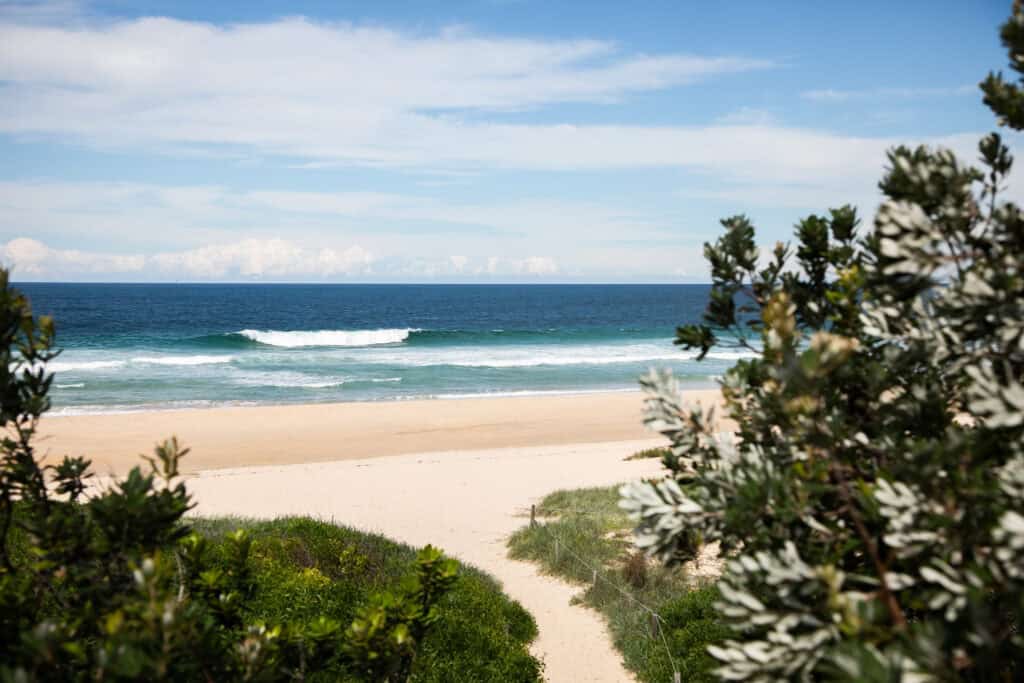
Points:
(872, 501)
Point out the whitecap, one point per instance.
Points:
(183, 360)
(68, 366)
(298, 338)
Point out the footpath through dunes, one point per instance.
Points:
(467, 503)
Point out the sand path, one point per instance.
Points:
(465, 502)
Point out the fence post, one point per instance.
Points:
(556, 551)
(654, 625)
(677, 677)
(595, 578)
(533, 516)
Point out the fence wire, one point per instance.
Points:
(599, 574)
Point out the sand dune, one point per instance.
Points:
(458, 474)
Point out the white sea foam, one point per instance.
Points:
(97, 409)
(183, 360)
(542, 356)
(68, 366)
(297, 339)
(533, 392)
(294, 380)
(76, 385)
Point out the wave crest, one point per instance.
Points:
(298, 338)
(68, 366)
(183, 360)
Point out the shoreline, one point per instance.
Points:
(246, 436)
(57, 412)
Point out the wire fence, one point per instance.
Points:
(656, 630)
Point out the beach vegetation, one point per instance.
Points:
(659, 452)
(871, 502)
(108, 580)
(593, 532)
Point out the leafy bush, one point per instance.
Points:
(691, 623)
(109, 583)
(303, 568)
(873, 500)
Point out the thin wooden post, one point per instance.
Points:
(556, 551)
(533, 516)
(654, 625)
(677, 677)
(594, 581)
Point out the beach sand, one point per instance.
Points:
(275, 435)
(458, 474)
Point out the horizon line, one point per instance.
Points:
(335, 284)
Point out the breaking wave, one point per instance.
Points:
(296, 339)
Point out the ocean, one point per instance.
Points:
(128, 347)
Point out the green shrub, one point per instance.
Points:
(872, 502)
(480, 635)
(114, 585)
(691, 624)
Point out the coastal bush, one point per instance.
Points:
(304, 568)
(871, 502)
(107, 581)
(590, 523)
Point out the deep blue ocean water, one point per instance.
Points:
(144, 346)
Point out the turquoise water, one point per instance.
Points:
(143, 347)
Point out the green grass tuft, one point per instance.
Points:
(589, 523)
(650, 453)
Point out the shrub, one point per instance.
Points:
(873, 499)
(110, 583)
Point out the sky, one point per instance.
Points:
(458, 141)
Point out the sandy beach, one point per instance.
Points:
(458, 474)
(275, 435)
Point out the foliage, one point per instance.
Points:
(872, 501)
(303, 569)
(659, 453)
(590, 522)
(106, 582)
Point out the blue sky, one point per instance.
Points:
(486, 141)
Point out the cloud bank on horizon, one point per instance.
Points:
(493, 146)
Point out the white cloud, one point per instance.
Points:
(748, 116)
(340, 94)
(144, 216)
(252, 258)
(248, 259)
(832, 95)
(488, 268)
(29, 257)
(536, 265)
(333, 92)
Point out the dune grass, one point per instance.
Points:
(592, 531)
(305, 568)
(659, 452)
